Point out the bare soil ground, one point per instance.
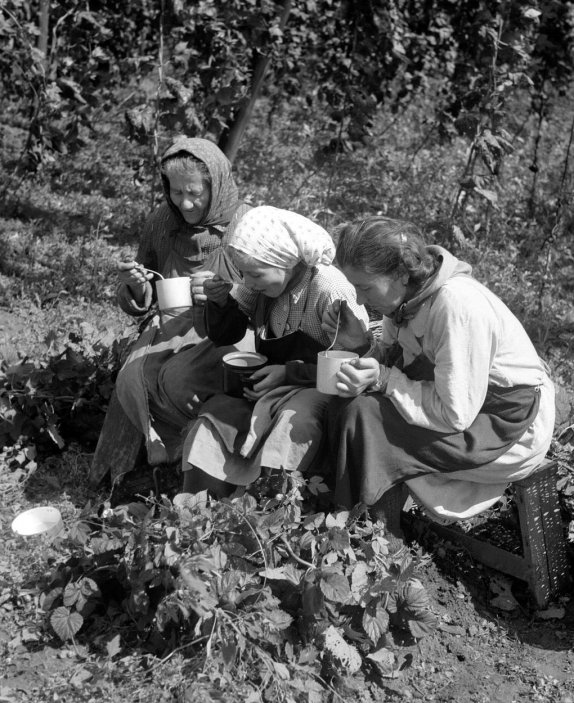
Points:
(480, 653)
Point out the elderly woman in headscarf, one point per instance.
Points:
(284, 259)
(173, 367)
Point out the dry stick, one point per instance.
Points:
(419, 147)
(537, 139)
(554, 231)
(337, 152)
(560, 202)
(155, 148)
(175, 651)
(44, 28)
(566, 159)
(258, 77)
(469, 168)
(293, 555)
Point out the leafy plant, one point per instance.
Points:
(258, 589)
(45, 401)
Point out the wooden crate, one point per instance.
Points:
(544, 562)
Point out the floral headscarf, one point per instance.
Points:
(224, 195)
(281, 238)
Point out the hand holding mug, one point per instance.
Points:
(356, 376)
(198, 279)
(265, 380)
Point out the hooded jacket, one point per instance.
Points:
(470, 337)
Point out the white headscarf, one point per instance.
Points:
(281, 238)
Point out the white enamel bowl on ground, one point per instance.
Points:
(36, 521)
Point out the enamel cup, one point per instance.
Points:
(328, 364)
(237, 367)
(173, 292)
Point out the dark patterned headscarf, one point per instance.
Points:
(224, 195)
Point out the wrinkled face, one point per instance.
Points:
(190, 194)
(269, 280)
(383, 292)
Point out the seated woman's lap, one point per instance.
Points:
(191, 376)
(297, 434)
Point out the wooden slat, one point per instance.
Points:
(544, 563)
(541, 527)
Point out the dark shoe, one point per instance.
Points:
(167, 479)
(139, 483)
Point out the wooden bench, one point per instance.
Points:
(544, 562)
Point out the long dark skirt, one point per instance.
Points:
(372, 447)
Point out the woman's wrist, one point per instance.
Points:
(380, 383)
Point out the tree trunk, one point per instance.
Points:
(233, 138)
(44, 26)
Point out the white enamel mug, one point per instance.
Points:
(328, 364)
(173, 292)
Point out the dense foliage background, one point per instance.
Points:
(458, 115)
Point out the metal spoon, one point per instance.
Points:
(157, 273)
(341, 304)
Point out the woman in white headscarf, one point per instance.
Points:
(288, 284)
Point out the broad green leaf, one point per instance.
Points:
(288, 573)
(71, 593)
(79, 532)
(55, 436)
(375, 622)
(335, 587)
(313, 522)
(337, 519)
(282, 671)
(489, 195)
(278, 619)
(308, 540)
(171, 553)
(89, 591)
(415, 595)
(113, 647)
(339, 538)
(66, 623)
(101, 545)
(422, 624)
(360, 578)
(228, 652)
(316, 485)
(385, 662)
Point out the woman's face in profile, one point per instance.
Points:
(259, 277)
(190, 194)
(383, 292)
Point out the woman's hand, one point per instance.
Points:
(352, 333)
(265, 380)
(135, 276)
(198, 279)
(217, 290)
(356, 376)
